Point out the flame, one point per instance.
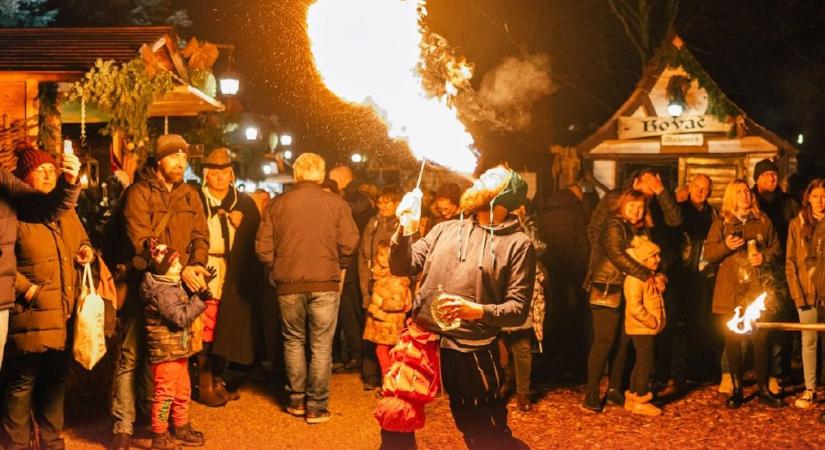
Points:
(368, 52)
(743, 323)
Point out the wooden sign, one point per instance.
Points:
(639, 127)
(683, 140)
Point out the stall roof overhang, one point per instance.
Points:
(607, 137)
(182, 101)
(717, 146)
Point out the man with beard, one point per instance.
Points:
(157, 205)
(477, 276)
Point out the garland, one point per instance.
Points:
(48, 117)
(719, 105)
(124, 92)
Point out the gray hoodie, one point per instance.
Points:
(493, 266)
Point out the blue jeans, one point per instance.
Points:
(809, 338)
(320, 311)
(132, 378)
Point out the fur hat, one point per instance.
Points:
(220, 158)
(169, 144)
(29, 159)
(766, 165)
(642, 248)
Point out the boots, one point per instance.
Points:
(641, 405)
(736, 398)
(163, 441)
(767, 398)
(188, 436)
(615, 396)
(523, 403)
(207, 395)
(220, 388)
(592, 400)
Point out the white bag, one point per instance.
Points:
(89, 338)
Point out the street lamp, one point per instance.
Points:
(229, 81)
(676, 89)
(357, 158)
(288, 154)
(286, 140)
(251, 133)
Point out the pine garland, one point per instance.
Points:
(48, 135)
(125, 92)
(719, 105)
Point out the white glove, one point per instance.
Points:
(409, 211)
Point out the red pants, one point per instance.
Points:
(210, 319)
(382, 351)
(172, 394)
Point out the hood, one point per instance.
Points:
(151, 285)
(467, 227)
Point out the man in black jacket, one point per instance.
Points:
(306, 239)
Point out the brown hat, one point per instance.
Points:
(169, 144)
(220, 158)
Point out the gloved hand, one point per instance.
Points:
(409, 211)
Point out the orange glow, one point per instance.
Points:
(368, 52)
(744, 323)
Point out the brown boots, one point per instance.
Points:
(640, 405)
(207, 394)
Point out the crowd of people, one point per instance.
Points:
(418, 292)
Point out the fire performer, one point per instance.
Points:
(743, 242)
(477, 277)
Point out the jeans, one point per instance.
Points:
(37, 382)
(4, 332)
(320, 311)
(640, 378)
(809, 338)
(132, 377)
(610, 342)
(520, 362)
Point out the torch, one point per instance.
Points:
(746, 323)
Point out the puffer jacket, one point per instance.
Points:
(493, 266)
(645, 308)
(610, 262)
(378, 229)
(169, 313)
(19, 201)
(799, 260)
(737, 281)
(306, 237)
(45, 257)
(387, 310)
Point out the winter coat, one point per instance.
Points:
(644, 312)
(563, 226)
(378, 229)
(493, 266)
(781, 209)
(389, 303)
(737, 281)
(663, 210)
(695, 229)
(169, 312)
(611, 263)
(243, 286)
(306, 237)
(19, 201)
(799, 261)
(45, 257)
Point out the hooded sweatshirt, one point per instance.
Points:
(491, 265)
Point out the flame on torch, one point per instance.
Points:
(744, 323)
(368, 52)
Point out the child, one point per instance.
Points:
(169, 314)
(389, 303)
(644, 318)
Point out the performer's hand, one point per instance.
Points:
(409, 211)
(195, 278)
(235, 218)
(85, 255)
(70, 166)
(458, 308)
(756, 259)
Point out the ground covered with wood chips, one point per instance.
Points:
(697, 419)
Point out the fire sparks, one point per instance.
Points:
(744, 323)
(368, 52)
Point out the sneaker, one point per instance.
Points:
(806, 400)
(296, 408)
(726, 385)
(773, 386)
(188, 436)
(318, 416)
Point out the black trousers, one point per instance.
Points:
(351, 320)
(640, 378)
(36, 382)
(761, 354)
(610, 342)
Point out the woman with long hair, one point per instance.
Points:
(743, 242)
(799, 262)
(610, 265)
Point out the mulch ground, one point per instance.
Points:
(695, 420)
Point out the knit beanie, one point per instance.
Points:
(642, 248)
(514, 193)
(29, 159)
(766, 165)
(161, 257)
(169, 144)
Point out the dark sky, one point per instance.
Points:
(769, 59)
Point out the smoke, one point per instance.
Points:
(509, 92)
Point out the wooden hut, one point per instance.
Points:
(680, 123)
